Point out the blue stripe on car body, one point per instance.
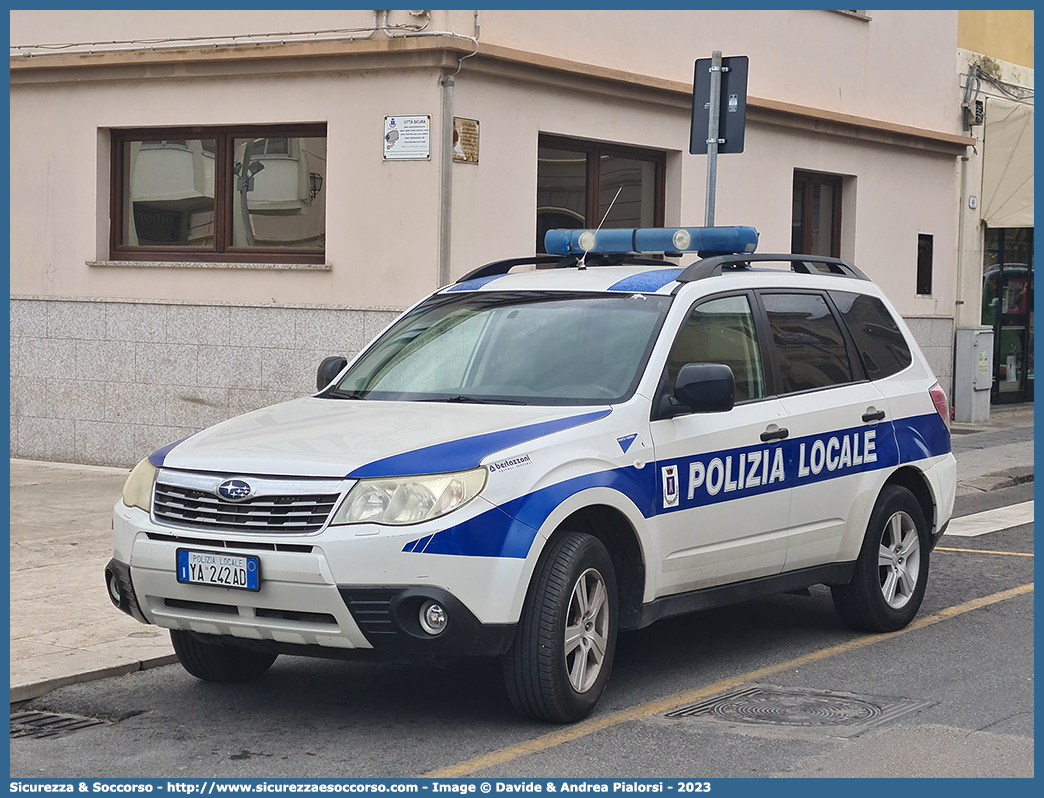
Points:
(509, 530)
(920, 437)
(460, 455)
(158, 457)
(647, 282)
(477, 283)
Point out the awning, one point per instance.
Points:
(1007, 164)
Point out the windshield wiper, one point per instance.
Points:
(479, 400)
(335, 394)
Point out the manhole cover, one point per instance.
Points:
(808, 709)
(30, 723)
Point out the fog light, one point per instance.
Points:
(114, 587)
(433, 618)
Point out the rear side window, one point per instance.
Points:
(810, 348)
(881, 344)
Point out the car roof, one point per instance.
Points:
(628, 279)
(756, 271)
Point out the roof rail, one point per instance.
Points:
(568, 261)
(802, 264)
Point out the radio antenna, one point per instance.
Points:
(581, 264)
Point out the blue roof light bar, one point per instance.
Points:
(733, 240)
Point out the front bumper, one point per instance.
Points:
(388, 618)
(330, 594)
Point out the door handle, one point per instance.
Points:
(774, 433)
(873, 415)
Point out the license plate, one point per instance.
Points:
(218, 569)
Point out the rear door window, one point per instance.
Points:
(809, 346)
(881, 345)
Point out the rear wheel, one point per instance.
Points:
(892, 570)
(560, 660)
(212, 662)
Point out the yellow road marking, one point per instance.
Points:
(667, 703)
(984, 551)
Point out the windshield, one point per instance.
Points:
(514, 348)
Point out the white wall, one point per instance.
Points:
(59, 186)
(899, 192)
(898, 66)
(382, 218)
(165, 351)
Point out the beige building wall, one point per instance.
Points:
(995, 71)
(160, 351)
(1004, 35)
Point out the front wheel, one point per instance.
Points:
(212, 662)
(560, 660)
(892, 570)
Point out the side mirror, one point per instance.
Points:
(328, 370)
(706, 387)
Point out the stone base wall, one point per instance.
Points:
(935, 337)
(106, 382)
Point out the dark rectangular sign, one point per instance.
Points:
(733, 116)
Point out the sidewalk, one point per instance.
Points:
(64, 630)
(999, 458)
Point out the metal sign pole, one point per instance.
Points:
(712, 135)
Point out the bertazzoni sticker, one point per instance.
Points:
(509, 464)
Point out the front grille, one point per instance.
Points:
(182, 506)
(202, 606)
(251, 545)
(298, 616)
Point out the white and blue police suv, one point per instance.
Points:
(548, 452)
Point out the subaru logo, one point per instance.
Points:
(235, 490)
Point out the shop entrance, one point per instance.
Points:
(1007, 307)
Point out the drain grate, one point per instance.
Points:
(30, 723)
(808, 709)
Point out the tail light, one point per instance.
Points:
(939, 397)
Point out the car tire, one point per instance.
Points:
(560, 659)
(212, 662)
(892, 569)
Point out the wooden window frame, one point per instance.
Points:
(810, 180)
(593, 150)
(224, 180)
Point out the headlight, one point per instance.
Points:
(137, 490)
(409, 500)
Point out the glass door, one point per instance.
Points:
(1007, 307)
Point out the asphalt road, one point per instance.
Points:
(953, 696)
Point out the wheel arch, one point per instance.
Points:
(613, 519)
(916, 482)
(611, 527)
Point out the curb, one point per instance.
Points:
(1001, 479)
(25, 692)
